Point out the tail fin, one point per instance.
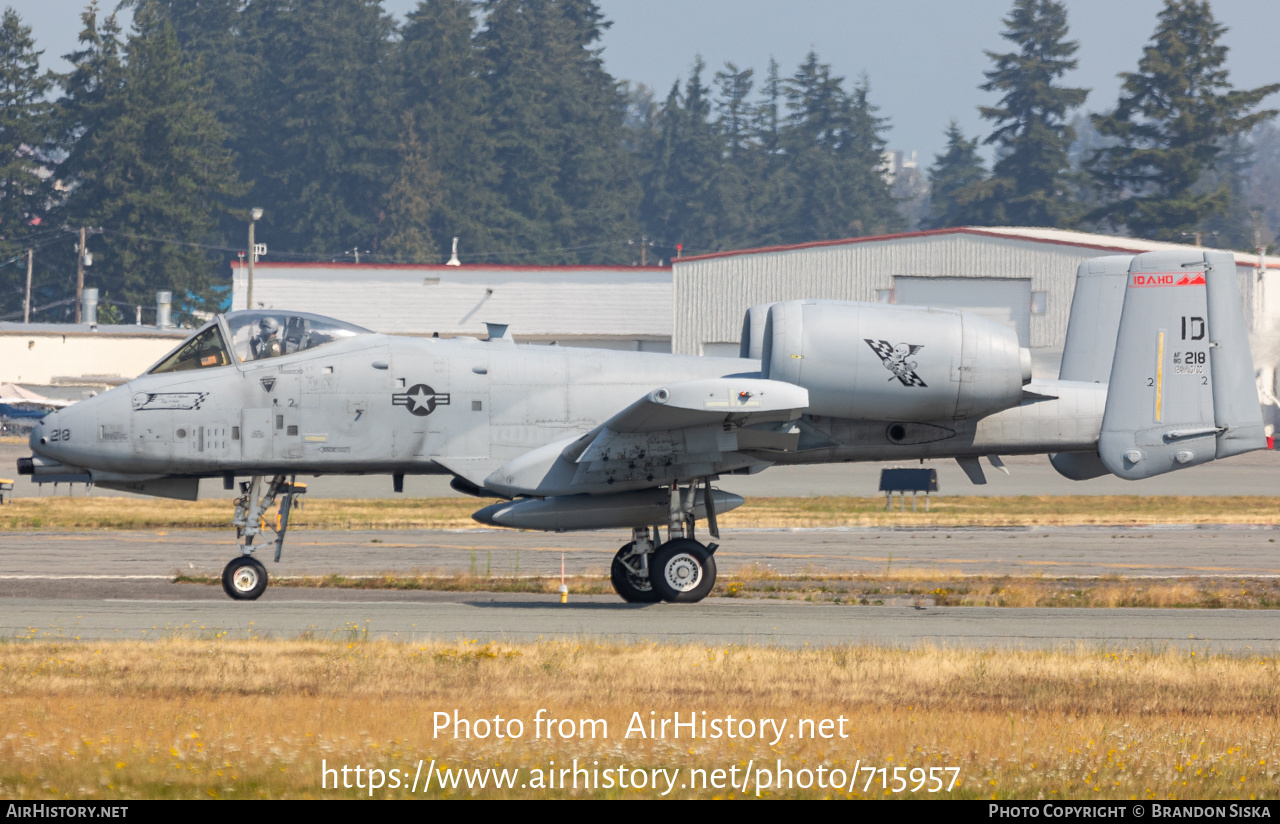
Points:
(1181, 391)
(1095, 319)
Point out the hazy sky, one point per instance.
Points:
(924, 59)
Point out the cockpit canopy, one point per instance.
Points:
(255, 335)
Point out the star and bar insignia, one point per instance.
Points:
(420, 400)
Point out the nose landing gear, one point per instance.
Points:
(245, 578)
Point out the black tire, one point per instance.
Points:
(682, 571)
(244, 578)
(632, 588)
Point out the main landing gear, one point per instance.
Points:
(681, 570)
(245, 578)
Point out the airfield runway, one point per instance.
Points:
(117, 585)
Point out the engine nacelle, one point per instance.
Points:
(884, 362)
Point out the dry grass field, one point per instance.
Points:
(247, 719)
(455, 513)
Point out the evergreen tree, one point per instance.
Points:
(739, 170)
(836, 185)
(95, 69)
(319, 137)
(1030, 181)
(680, 197)
(96, 72)
(26, 132)
(953, 177)
(440, 80)
(411, 200)
(735, 87)
(213, 32)
(1171, 125)
(217, 35)
(150, 165)
(557, 121)
(769, 199)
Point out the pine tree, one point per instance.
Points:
(1030, 181)
(557, 122)
(219, 35)
(739, 170)
(953, 178)
(151, 168)
(319, 140)
(1171, 125)
(835, 185)
(26, 135)
(26, 132)
(411, 200)
(769, 200)
(440, 81)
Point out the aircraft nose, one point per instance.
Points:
(37, 437)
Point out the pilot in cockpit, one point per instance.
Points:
(266, 344)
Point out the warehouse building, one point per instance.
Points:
(1023, 277)
(612, 307)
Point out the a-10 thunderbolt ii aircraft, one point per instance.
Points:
(1156, 376)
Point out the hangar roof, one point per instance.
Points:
(1034, 234)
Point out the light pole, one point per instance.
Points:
(254, 216)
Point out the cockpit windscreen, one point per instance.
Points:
(263, 334)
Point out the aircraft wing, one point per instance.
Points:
(685, 430)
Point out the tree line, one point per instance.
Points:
(1168, 162)
(495, 121)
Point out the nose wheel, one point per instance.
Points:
(244, 578)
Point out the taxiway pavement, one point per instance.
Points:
(117, 585)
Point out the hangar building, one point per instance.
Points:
(612, 307)
(1023, 277)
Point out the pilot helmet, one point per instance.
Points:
(268, 327)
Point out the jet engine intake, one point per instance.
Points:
(877, 361)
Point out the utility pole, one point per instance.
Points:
(26, 305)
(254, 216)
(79, 273)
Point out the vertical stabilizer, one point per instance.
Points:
(1095, 319)
(1181, 382)
(1236, 411)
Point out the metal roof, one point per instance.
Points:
(1034, 234)
(115, 330)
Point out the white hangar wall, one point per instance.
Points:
(53, 354)
(712, 292)
(612, 306)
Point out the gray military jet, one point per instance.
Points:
(1156, 376)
